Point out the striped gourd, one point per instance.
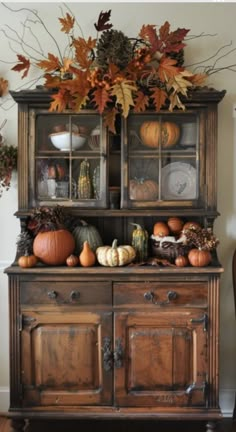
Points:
(84, 181)
(140, 242)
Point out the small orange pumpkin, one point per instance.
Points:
(143, 190)
(181, 261)
(72, 261)
(27, 261)
(175, 225)
(199, 257)
(87, 257)
(153, 133)
(160, 229)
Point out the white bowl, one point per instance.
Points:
(61, 140)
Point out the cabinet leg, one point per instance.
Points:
(17, 425)
(210, 426)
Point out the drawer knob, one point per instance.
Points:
(52, 294)
(74, 296)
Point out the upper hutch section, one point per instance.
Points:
(155, 162)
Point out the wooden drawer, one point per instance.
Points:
(161, 293)
(80, 293)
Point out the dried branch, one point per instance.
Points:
(40, 21)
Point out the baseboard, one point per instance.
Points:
(227, 398)
(4, 399)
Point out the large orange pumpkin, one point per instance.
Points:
(199, 258)
(153, 133)
(54, 247)
(143, 190)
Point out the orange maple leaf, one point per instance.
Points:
(159, 97)
(51, 64)
(101, 98)
(198, 79)
(110, 118)
(23, 65)
(83, 50)
(67, 23)
(167, 68)
(141, 102)
(3, 86)
(60, 101)
(52, 81)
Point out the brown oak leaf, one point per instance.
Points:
(141, 102)
(103, 19)
(101, 98)
(110, 118)
(159, 97)
(60, 101)
(122, 90)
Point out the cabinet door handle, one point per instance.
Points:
(74, 296)
(171, 295)
(118, 354)
(107, 354)
(52, 294)
(194, 386)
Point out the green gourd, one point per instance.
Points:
(88, 232)
(84, 181)
(140, 242)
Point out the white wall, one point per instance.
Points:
(211, 18)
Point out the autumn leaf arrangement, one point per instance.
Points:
(113, 73)
(8, 153)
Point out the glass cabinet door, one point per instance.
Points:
(69, 161)
(161, 159)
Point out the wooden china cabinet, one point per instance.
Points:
(133, 342)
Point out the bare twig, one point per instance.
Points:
(35, 13)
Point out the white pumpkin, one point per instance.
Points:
(115, 256)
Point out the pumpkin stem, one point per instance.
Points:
(114, 244)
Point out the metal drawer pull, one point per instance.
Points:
(74, 295)
(195, 386)
(52, 294)
(171, 295)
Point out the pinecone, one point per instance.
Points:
(178, 56)
(25, 243)
(114, 47)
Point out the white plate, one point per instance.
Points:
(179, 181)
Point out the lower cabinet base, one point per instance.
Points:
(119, 421)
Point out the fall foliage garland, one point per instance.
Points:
(114, 73)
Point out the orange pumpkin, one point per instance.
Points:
(199, 257)
(175, 224)
(160, 229)
(181, 261)
(143, 190)
(27, 261)
(53, 247)
(87, 257)
(154, 133)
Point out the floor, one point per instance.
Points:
(227, 425)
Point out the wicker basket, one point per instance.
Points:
(168, 250)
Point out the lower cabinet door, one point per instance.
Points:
(66, 358)
(161, 359)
